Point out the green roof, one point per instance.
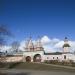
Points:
(54, 53)
(66, 45)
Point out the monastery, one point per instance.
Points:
(35, 53)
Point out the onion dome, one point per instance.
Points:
(66, 42)
(66, 45)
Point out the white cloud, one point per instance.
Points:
(55, 40)
(5, 48)
(45, 40)
(22, 45)
(50, 45)
(72, 44)
(59, 44)
(55, 44)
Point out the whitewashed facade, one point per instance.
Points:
(37, 54)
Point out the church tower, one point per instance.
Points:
(66, 46)
(29, 45)
(39, 45)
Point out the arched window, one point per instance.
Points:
(47, 57)
(53, 57)
(64, 56)
(57, 57)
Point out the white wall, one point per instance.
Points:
(32, 54)
(52, 57)
(69, 56)
(60, 57)
(13, 59)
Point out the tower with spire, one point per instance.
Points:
(34, 47)
(66, 45)
(29, 45)
(39, 46)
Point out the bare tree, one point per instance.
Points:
(15, 46)
(4, 33)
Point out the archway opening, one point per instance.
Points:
(28, 59)
(37, 58)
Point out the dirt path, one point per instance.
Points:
(33, 72)
(61, 66)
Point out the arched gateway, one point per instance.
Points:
(37, 58)
(28, 59)
(33, 52)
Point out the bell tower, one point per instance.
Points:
(66, 45)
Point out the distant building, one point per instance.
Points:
(36, 53)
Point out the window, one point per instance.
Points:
(57, 57)
(53, 57)
(47, 57)
(64, 56)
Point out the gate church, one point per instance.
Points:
(35, 52)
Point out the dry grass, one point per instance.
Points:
(35, 66)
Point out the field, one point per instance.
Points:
(34, 68)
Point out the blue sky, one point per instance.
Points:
(54, 18)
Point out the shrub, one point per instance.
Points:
(47, 61)
(11, 65)
(51, 61)
(73, 64)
